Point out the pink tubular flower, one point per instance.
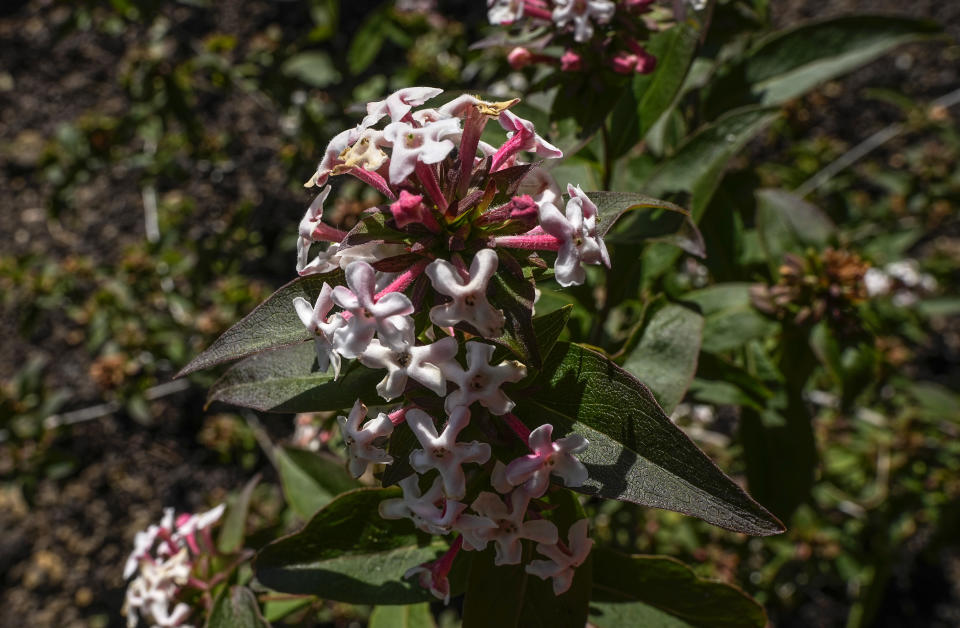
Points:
(522, 209)
(433, 575)
(563, 560)
(311, 222)
(398, 104)
(386, 316)
(405, 360)
(469, 298)
(409, 209)
(411, 145)
(442, 452)
(423, 509)
(549, 457)
(363, 438)
(510, 526)
(521, 137)
(316, 321)
(519, 58)
(571, 61)
(481, 381)
(577, 234)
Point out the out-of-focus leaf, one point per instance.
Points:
(641, 590)
(235, 520)
(236, 607)
(788, 224)
(665, 359)
(654, 92)
(313, 67)
(789, 62)
(730, 319)
(287, 380)
(636, 453)
(273, 323)
(311, 480)
(367, 42)
(349, 553)
(408, 616)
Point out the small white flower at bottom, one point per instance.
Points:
(405, 360)
(363, 443)
(549, 456)
(442, 452)
(423, 509)
(510, 526)
(481, 381)
(563, 560)
(469, 298)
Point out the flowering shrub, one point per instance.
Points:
(476, 418)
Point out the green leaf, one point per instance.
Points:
(700, 162)
(373, 226)
(348, 553)
(235, 521)
(409, 616)
(792, 61)
(666, 357)
(313, 67)
(661, 221)
(655, 92)
(730, 319)
(636, 453)
(310, 480)
(510, 597)
(514, 295)
(274, 323)
(236, 607)
(629, 589)
(788, 224)
(287, 380)
(366, 43)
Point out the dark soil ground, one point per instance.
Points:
(61, 556)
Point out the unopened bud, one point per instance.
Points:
(519, 58)
(571, 61)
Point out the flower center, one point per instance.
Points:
(402, 359)
(507, 526)
(470, 300)
(478, 382)
(440, 452)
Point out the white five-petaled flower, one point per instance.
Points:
(364, 442)
(504, 11)
(423, 509)
(331, 155)
(398, 104)
(582, 13)
(549, 456)
(193, 523)
(577, 233)
(428, 144)
(469, 302)
(510, 526)
(481, 381)
(152, 593)
(404, 359)
(563, 560)
(316, 321)
(364, 153)
(442, 452)
(387, 316)
(529, 141)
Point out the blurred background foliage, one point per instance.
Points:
(152, 156)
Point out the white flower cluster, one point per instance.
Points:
(162, 560)
(577, 15)
(902, 279)
(432, 192)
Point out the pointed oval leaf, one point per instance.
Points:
(636, 453)
(660, 221)
(273, 323)
(287, 380)
(311, 480)
(633, 590)
(235, 521)
(348, 553)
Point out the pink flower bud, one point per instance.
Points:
(646, 62)
(571, 61)
(623, 63)
(409, 209)
(519, 57)
(520, 208)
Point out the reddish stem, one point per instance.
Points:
(404, 280)
(375, 180)
(428, 179)
(326, 233)
(533, 242)
(518, 427)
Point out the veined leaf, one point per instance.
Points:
(788, 224)
(348, 553)
(236, 607)
(311, 480)
(730, 319)
(661, 221)
(287, 380)
(665, 359)
(273, 323)
(635, 590)
(654, 92)
(636, 454)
